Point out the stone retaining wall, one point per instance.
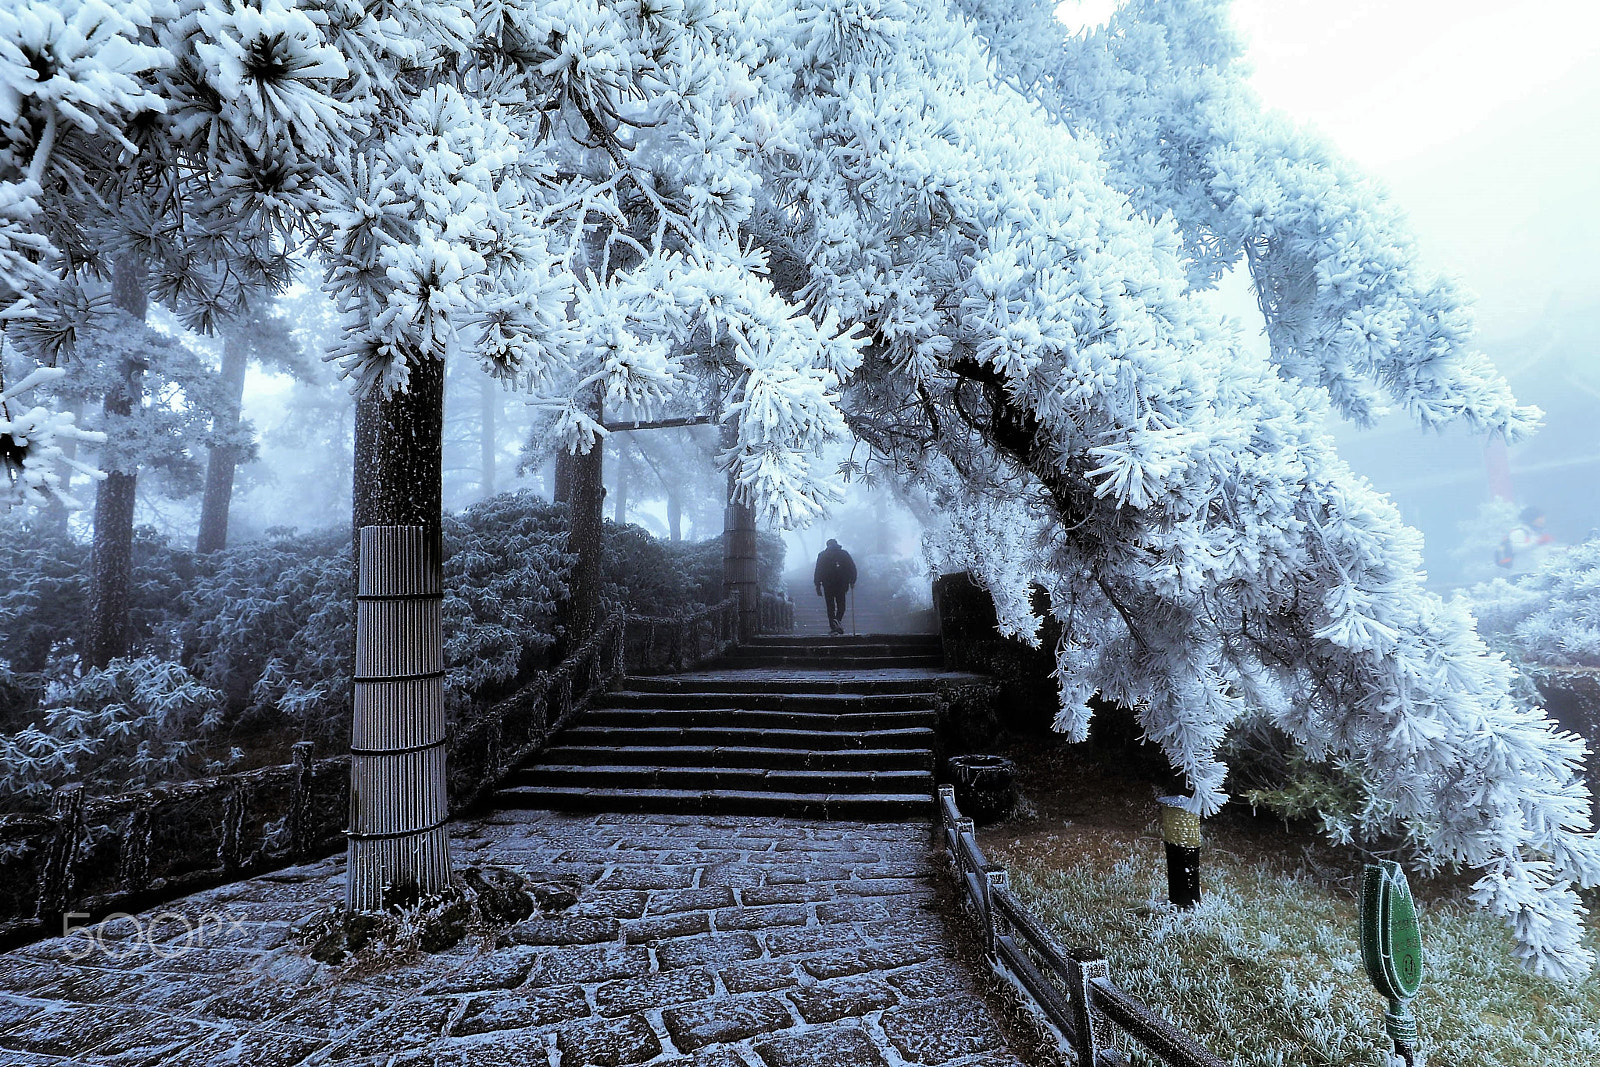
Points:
(1027, 698)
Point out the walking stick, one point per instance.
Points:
(853, 612)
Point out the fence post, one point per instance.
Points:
(230, 847)
(300, 799)
(993, 878)
(66, 807)
(1089, 1035)
(133, 866)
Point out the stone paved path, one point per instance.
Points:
(695, 940)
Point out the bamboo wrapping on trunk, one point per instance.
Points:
(398, 796)
(739, 569)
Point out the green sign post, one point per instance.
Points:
(1391, 950)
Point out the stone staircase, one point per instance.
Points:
(838, 728)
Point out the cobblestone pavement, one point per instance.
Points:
(694, 940)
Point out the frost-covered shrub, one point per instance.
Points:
(269, 623)
(42, 595)
(701, 564)
(647, 576)
(1551, 616)
(505, 569)
(902, 584)
(258, 638)
(44, 600)
(135, 722)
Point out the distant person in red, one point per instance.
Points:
(1527, 545)
(835, 574)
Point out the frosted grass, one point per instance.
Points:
(1266, 971)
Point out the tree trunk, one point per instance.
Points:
(739, 555)
(222, 462)
(489, 446)
(398, 797)
(621, 515)
(674, 515)
(111, 565)
(399, 844)
(398, 456)
(562, 470)
(580, 612)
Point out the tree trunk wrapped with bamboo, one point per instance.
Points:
(398, 800)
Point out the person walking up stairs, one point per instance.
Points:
(834, 577)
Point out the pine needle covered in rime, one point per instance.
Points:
(1163, 89)
(1551, 616)
(151, 134)
(572, 223)
(555, 189)
(30, 445)
(1204, 548)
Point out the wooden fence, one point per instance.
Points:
(99, 854)
(1072, 990)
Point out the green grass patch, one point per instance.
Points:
(1267, 972)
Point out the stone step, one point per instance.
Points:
(745, 779)
(742, 736)
(898, 641)
(843, 721)
(759, 701)
(841, 662)
(863, 806)
(835, 651)
(796, 682)
(889, 759)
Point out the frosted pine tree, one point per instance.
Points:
(1203, 546)
(73, 74)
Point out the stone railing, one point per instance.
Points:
(777, 613)
(1071, 991)
(663, 644)
(92, 855)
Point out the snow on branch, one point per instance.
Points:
(1204, 548)
(1163, 90)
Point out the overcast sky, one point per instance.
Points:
(1481, 116)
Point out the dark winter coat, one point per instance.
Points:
(835, 569)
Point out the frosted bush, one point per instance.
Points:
(1551, 616)
(135, 722)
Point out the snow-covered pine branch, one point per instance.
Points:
(30, 445)
(1204, 547)
(1162, 88)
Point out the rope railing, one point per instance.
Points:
(1072, 990)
